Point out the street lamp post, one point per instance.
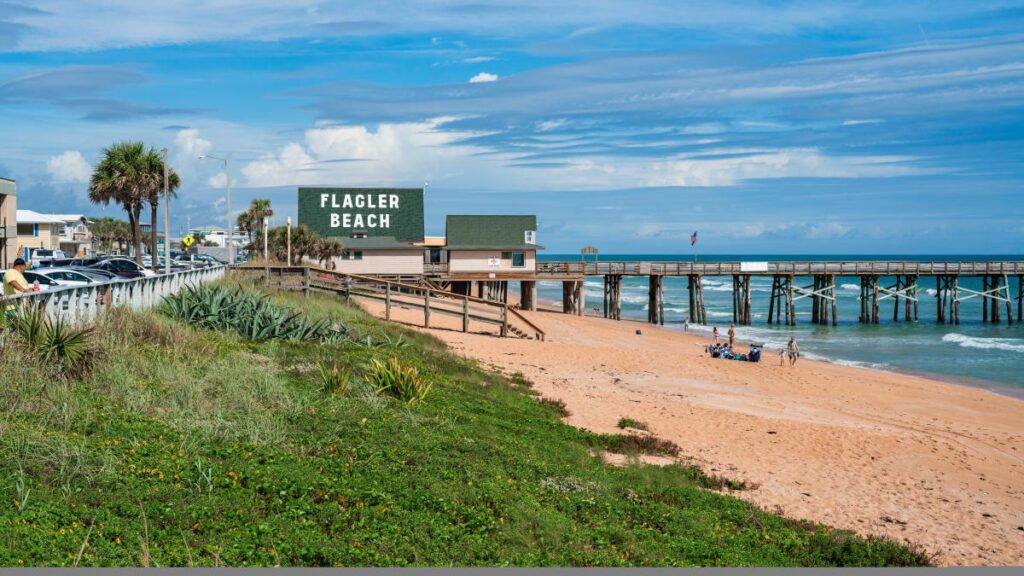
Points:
(167, 220)
(289, 241)
(230, 237)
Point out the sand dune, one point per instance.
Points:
(876, 452)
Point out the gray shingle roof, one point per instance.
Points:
(375, 243)
(490, 232)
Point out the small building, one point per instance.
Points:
(499, 245)
(8, 222)
(37, 230)
(75, 239)
(379, 255)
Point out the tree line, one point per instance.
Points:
(131, 175)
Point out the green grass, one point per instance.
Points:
(631, 423)
(192, 447)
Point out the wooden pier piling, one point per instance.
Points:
(528, 295)
(656, 299)
(613, 296)
(698, 313)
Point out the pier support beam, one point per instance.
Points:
(528, 295)
(572, 297)
(781, 300)
(613, 296)
(822, 293)
(698, 313)
(656, 299)
(741, 299)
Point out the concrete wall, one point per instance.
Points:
(383, 262)
(8, 223)
(476, 261)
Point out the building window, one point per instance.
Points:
(35, 230)
(518, 260)
(352, 255)
(531, 236)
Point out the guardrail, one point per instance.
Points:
(846, 268)
(397, 293)
(87, 303)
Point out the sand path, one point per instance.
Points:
(876, 452)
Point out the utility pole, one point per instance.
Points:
(266, 229)
(289, 241)
(167, 218)
(230, 226)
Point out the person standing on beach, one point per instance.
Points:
(732, 334)
(715, 334)
(794, 351)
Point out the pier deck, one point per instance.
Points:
(995, 294)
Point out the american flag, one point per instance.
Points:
(693, 239)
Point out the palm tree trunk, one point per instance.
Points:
(152, 237)
(133, 219)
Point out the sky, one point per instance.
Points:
(817, 127)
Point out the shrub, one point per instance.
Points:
(334, 379)
(64, 347)
(250, 315)
(631, 423)
(402, 382)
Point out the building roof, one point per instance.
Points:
(33, 217)
(375, 243)
(68, 218)
(490, 232)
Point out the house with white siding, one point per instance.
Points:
(499, 245)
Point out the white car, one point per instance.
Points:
(39, 255)
(65, 277)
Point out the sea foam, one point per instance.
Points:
(1007, 344)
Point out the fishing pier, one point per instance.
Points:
(880, 281)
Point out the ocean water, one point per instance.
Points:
(973, 353)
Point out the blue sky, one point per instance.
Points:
(772, 127)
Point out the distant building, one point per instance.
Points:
(217, 235)
(37, 230)
(75, 237)
(491, 244)
(8, 222)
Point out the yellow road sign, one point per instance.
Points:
(188, 241)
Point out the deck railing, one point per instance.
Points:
(396, 293)
(87, 303)
(852, 268)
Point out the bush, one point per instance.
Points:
(334, 379)
(250, 315)
(402, 382)
(59, 344)
(631, 423)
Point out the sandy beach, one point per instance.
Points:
(876, 452)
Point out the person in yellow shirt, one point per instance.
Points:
(14, 280)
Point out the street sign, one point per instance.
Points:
(188, 241)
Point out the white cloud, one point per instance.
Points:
(478, 59)
(69, 167)
(856, 122)
(483, 77)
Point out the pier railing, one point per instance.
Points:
(87, 303)
(848, 268)
(393, 293)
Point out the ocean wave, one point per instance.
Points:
(931, 291)
(1006, 344)
(851, 287)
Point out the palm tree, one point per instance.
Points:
(124, 176)
(259, 211)
(246, 224)
(327, 250)
(155, 167)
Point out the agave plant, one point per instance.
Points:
(402, 382)
(63, 346)
(249, 314)
(334, 379)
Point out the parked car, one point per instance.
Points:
(70, 277)
(40, 255)
(103, 275)
(176, 266)
(44, 282)
(123, 267)
(61, 277)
